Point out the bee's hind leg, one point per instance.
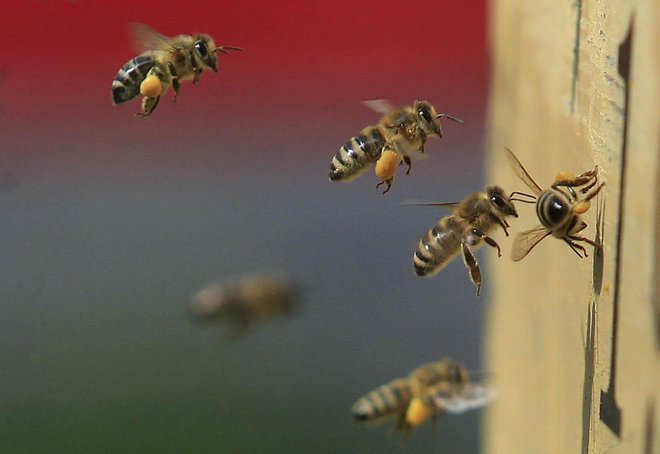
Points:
(388, 182)
(148, 106)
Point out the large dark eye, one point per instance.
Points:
(201, 48)
(498, 201)
(426, 115)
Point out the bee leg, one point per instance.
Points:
(175, 80)
(502, 223)
(148, 106)
(408, 162)
(423, 138)
(388, 182)
(572, 241)
(491, 242)
(471, 263)
(592, 194)
(593, 183)
(195, 67)
(575, 246)
(568, 180)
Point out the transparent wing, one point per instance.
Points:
(470, 397)
(522, 173)
(382, 106)
(144, 38)
(525, 241)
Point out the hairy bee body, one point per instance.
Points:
(431, 389)
(389, 399)
(463, 231)
(354, 157)
(246, 301)
(439, 246)
(400, 130)
(126, 84)
(170, 60)
(558, 208)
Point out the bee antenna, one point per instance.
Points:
(226, 49)
(456, 119)
(522, 194)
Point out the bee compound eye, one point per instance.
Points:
(201, 48)
(498, 201)
(426, 116)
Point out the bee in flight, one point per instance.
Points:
(558, 209)
(164, 63)
(462, 231)
(246, 301)
(399, 131)
(443, 386)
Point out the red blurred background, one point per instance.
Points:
(305, 68)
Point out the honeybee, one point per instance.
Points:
(164, 63)
(462, 231)
(443, 386)
(558, 210)
(399, 131)
(246, 301)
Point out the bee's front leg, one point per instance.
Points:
(422, 138)
(196, 69)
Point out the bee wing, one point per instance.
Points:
(468, 398)
(522, 173)
(381, 106)
(525, 241)
(144, 38)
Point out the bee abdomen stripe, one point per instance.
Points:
(423, 258)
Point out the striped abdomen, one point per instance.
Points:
(389, 399)
(353, 158)
(440, 244)
(126, 85)
(554, 210)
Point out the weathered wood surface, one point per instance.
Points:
(574, 344)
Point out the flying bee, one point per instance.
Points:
(399, 131)
(246, 301)
(164, 63)
(430, 390)
(558, 209)
(462, 231)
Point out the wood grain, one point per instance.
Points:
(574, 344)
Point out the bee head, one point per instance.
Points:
(204, 50)
(500, 203)
(428, 118)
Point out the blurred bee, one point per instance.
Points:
(164, 63)
(462, 231)
(246, 301)
(444, 386)
(399, 131)
(558, 210)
